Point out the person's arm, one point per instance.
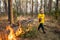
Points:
(39, 18)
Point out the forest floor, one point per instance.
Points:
(51, 27)
(52, 30)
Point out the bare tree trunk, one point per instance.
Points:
(16, 14)
(20, 6)
(16, 6)
(32, 8)
(0, 6)
(5, 4)
(45, 5)
(10, 12)
(36, 7)
(50, 5)
(56, 10)
(41, 4)
(26, 6)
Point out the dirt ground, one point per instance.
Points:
(52, 31)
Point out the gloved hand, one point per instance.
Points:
(39, 19)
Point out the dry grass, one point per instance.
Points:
(52, 32)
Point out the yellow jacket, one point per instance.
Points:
(42, 16)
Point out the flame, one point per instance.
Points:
(11, 35)
(19, 31)
(0, 38)
(29, 27)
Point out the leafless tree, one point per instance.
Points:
(45, 6)
(32, 8)
(50, 5)
(41, 1)
(0, 6)
(5, 6)
(26, 6)
(56, 9)
(10, 12)
(36, 7)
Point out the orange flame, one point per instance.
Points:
(11, 35)
(19, 31)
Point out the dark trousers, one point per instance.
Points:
(41, 26)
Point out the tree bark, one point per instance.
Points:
(20, 6)
(5, 5)
(36, 7)
(50, 5)
(32, 8)
(45, 5)
(56, 10)
(41, 5)
(10, 12)
(26, 7)
(0, 6)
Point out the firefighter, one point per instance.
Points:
(41, 18)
